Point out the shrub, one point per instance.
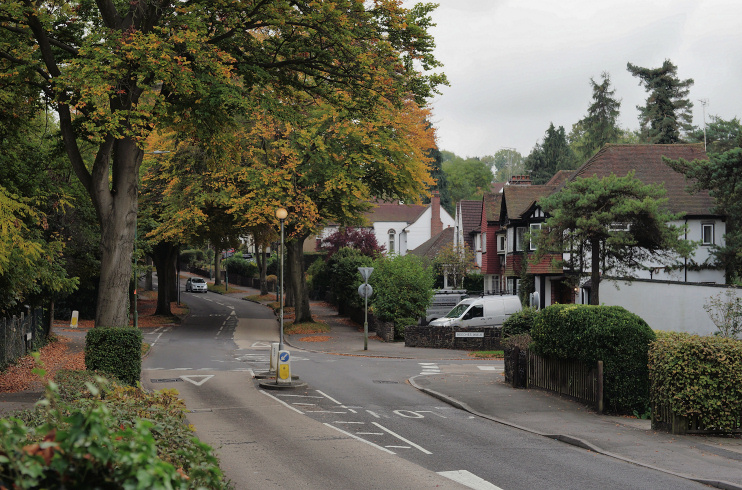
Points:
(238, 265)
(345, 277)
(519, 322)
(116, 351)
(725, 310)
(319, 277)
(698, 376)
(474, 282)
(403, 288)
(271, 281)
(600, 333)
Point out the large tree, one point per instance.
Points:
(719, 135)
(667, 114)
(600, 125)
(552, 155)
(613, 223)
(116, 70)
(508, 162)
(467, 178)
(721, 175)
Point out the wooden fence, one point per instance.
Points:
(566, 377)
(663, 418)
(20, 335)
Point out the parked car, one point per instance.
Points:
(486, 311)
(196, 285)
(442, 302)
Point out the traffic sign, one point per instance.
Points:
(284, 356)
(365, 290)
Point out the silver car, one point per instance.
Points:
(196, 285)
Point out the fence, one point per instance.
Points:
(20, 335)
(567, 377)
(664, 418)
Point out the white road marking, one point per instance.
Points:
(469, 480)
(490, 368)
(343, 422)
(204, 378)
(261, 345)
(370, 433)
(399, 447)
(401, 438)
(374, 414)
(360, 439)
(282, 402)
(328, 396)
(305, 404)
(303, 396)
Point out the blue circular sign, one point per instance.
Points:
(284, 357)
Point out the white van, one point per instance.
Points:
(486, 311)
(441, 303)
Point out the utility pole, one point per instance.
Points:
(704, 103)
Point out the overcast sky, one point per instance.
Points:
(517, 65)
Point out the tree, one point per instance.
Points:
(720, 135)
(363, 240)
(508, 162)
(615, 222)
(600, 125)
(455, 262)
(549, 157)
(467, 178)
(667, 113)
(721, 175)
(115, 71)
(440, 181)
(725, 310)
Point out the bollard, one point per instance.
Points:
(274, 357)
(73, 321)
(283, 372)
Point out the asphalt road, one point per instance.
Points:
(358, 423)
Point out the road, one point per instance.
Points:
(358, 423)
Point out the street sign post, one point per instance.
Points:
(365, 290)
(283, 374)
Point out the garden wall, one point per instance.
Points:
(471, 338)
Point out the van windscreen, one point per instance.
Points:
(457, 311)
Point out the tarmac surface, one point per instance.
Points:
(711, 460)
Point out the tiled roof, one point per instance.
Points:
(560, 177)
(647, 161)
(549, 264)
(392, 211)
(471, 214)
(519, 198)
(491, 205)
(432, 247)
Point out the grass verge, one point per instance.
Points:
(487, 354)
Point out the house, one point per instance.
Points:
(402, 227)
(493, 250)
(468, 231)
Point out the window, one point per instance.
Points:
(475, 312)
(392, 235)
(535, 227)
(707, 233)
(503, 241)
(520, 238)
(484, 242)
(477, 243)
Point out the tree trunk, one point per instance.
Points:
(595, 272)
(298, 281)
(217, 271)
(262, 262)
(148, 275)
(288, 282)
(162, 256)
(116, 206)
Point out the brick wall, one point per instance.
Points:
(445, 338)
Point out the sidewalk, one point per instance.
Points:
(711, 460)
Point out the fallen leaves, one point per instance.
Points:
(54, 356)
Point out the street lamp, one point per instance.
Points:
(281, 214)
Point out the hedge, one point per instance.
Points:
(610, 334)
(519, 322)
(116, 351)
(698, 376)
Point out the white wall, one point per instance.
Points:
(664, 305)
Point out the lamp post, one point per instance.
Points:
(281, 214)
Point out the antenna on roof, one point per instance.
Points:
(704, 103)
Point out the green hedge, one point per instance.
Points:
(519, 322)
(403, 288)
(698, 376)
(116, 351)
(243, 267)
(610, 334)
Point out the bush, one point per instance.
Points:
(116, 351)
(345, 277)
(193, 257)
(238, 265)
(600, 333)
(519, 322)
(132, 439)
(698, 376)
(319, 277)
(403, 288)
(474, 282)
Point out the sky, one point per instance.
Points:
(514, 66)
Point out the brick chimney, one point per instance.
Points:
(520, 180)
(436, 225)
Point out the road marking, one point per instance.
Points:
(469, 480)
(401, 438)
(360, 439)
(304, 396)
(374, 414)
(415, 415)
(490, 368)
(370, 433)
(282, 402)
(306, 404)
(399, 447)
(204, 378)
(343, 422)
(262, 345)
(329, 397)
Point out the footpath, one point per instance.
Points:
(712, 460)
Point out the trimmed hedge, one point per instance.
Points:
(698, 376)
(519, 322)
(610, 334)
(116, 351)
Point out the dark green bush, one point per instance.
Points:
(403, 288)
(519, 322)
(474, 282)
(319, 277)
(600, 333)
(238, 265)
(193, 257)
(116, 351)
(345, 277)
(698, 376)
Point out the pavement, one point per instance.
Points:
(712, 460)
